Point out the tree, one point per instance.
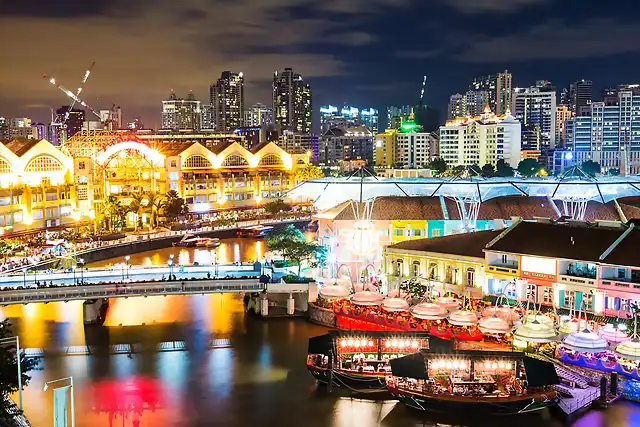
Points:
(9, 363)
(503, 169)
(154, 205)
(136, 206)
(5, 249)
(291, 244)
(112, 210)
(453, 171)
(413, 287)
(309, 171)
(276, 206)
(438, 165)
(613, 171)
(528, 167)
(302, 250)
(591, 168)
(174, 205)
(487, 170)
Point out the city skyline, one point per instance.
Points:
(343, 63)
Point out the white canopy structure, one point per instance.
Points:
(613, 335)
(494, 325)
(571, 326)
(429, 311)
(574, 189)
(367, 298)
(395, 304)
(503, 312)
(629, 349)
(334, 292)
(463, 318)
(448, 302)
(536, 332)
(540, 318)
(585, 341)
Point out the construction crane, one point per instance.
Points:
(75, 98)
(424, 85)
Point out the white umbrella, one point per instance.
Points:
(503, 312)
(448, 302)
(629, 349)
(536, 332)
(494, 325)
(367, 298)
(462, 318)
(585, 341)
(395, 304)
(429, 311)
(334, 291)
(612, 334)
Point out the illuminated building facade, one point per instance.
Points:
(563, 113)
(227, 101)
(258, 115)
(535, 108)
(407, 148)
(499, 89)
(73, 124)
(292, 102)
(345, 144)
(47, 186)
(481, 140)
(335, 117)
(179, 114)
(299, 143)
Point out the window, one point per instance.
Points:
(5, 167)
(235, 160)
(398, 232)
(433, 271)
(415, 268)
(83, 179)
(417, 232)
(82, 165)
(435, 232)
(398, 268)
(471, 277)
(174, 163)
(52, 196)
(44, 164)
(82, 193)
(271, 160)
(197, 161)
(532, 292)
(503, 259)
(569, 298)
(547, 295)
(587, 301)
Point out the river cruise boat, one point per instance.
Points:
(359, 360)
(255, 231)
(490, 382)
(191, 241)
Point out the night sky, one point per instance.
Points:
(364, 52)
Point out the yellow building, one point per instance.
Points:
(42, 185)
(385, 149)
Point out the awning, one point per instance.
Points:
(540, 372)
(321, 344)
(411, 366)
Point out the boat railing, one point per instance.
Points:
(571, 405)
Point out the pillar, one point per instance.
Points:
(264, 306)
(291, 305)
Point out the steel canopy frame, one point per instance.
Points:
(574, 191)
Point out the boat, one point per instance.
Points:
(359, 360)
(489, 382)
(255, 231)
(189, 240)
(213, 243)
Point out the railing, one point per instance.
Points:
(10, 414)
(569, 406)
(67, 293)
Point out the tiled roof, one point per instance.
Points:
(173, 148)
(466, 244)
(527, 208)
(21, 146)
(627, 252)
(598, 211)
(569, 241)
(398, 208)
(630, 211)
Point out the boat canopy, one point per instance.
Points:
(629, 349)
(540, 372)
(429, 311)
(411, 366)
(585, 341)
(367, 298)
(322, 344)
(395, 304)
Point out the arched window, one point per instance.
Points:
(271, 160)
(5, 167)
(235, 160)
(471, 277)
(433, 271)
(44, 164)
(398, 268)
(415, 268)
(197, 161)
(300, 162)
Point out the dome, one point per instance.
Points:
(395, 304)
(334, 291)
(448, 302)
(585, 341)
(541, 318)
(536, 332)
(570, 326)
(494, 325)
(612, 334)
(367, 298)
(629, 349)
(503, 312)
(462, 318)
(429, 311)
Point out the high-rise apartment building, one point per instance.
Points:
(579, 96)
(258, 115)
(299, 143)
(396, 115)
(181, 114)
(332, 116)
(292, 102)
(206, 117)
(563, 113)
(499, 89)
(608, 134)
(457, 106)
(72, 125)
(535, 108)
(404, 149)
(470, 103)
(481, 140)
(22, 128)
(4, 129)
(112, 118)
(227, 100)
(345, 144)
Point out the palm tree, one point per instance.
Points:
(112, 208)
(136, 206)
(154, 203)
(174, 205)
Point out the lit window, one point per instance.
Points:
(271, 160)
(235, 160)
(44, 164)
(197, 161)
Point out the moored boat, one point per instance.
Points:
(492, 382)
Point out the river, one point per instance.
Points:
(254, 375)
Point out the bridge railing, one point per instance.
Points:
(132, 289)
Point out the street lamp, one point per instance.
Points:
(126, 260)
(73, 412)
(5, 340)
(215, 263)
(81, 262)
(170, 268)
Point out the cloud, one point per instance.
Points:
(488, 6)
(556, 40)
(145, 48)
(418, 54)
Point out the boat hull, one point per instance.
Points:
(525, 404)
(365, 382)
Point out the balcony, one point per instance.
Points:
(500, 267)
(621, 284)
(578, 277)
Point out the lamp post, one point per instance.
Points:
(73, 412)
(126, 261)
(74, 275)
(81, 262)
(170, 265)
(35, 275)
(215, 263)
(5, 340)
(24, 277)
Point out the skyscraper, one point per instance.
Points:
(258, 115)
(206, 120)
(292, 102)
(397, 115)
(562, 115)
(4, 129)
(73, 123)
(345, 144)
(332, 116)
(179, 114)
(227, 99)
(535, 108)
(499, 89)
(580, 96)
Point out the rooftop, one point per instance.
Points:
(466, 244)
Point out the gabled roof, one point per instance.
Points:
(397, 208)
(577, 241)
(626, 252)
(174, 148)
(21, 146)
(466, 244)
